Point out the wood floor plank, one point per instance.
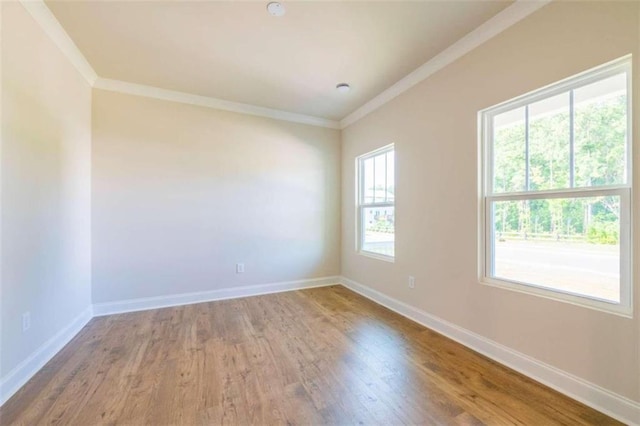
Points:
(318, 356)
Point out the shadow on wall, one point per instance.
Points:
(42, 258)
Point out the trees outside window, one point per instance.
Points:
(556, 190)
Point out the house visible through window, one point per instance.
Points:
(556, 190)
(376, 210)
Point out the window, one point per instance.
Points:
(556, 191)
(376, 197)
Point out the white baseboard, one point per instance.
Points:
(146, 303)
(21, 374)
(603, 400)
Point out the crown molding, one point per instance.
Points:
(494, 26)
(503, 20)
(50, 25)
(205, 101)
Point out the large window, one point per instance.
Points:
(556, 190)
(376, 198)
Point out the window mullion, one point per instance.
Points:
(572, 162)
(547, 230)
(573, 193)
(385, 176)
(371, 205)
(527, 185)
(371, 210)
(374, 179)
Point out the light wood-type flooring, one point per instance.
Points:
(317, 356)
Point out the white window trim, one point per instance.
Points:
(360, 205)
(624, 191)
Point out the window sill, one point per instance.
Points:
(377, 256)
(559, 296)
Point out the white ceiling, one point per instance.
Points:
(236, 51)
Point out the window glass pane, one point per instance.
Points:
(509, 151)
(379, 230)
(565, 244)
(391, 182)
(380, 175)
(368, 180)
(601, 132)
(549, 141)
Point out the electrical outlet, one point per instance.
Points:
(412, 282)
(26, 321)
(239, 268)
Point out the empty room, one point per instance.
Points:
(319, 212)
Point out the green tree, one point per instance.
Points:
(600, 156)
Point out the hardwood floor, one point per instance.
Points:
(318, 356)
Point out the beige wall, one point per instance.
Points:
(434, 128)
(45, 183)
(182, 193)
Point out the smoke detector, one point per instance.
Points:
(275, 9)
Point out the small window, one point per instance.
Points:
(376, 203)
(556, 192)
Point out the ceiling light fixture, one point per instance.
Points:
(275, 9)
(343, 87)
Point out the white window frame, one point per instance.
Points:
(361, 205)
(624, 191)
